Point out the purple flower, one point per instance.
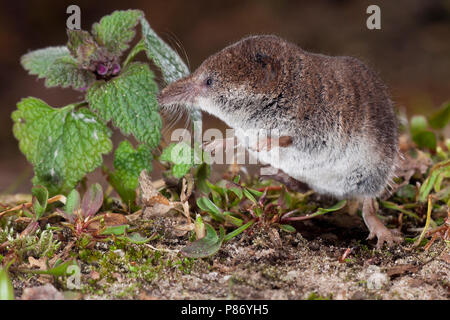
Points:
(102, 69)
(115, 68)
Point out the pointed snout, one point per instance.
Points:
(182, 91)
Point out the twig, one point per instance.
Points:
(163, 250)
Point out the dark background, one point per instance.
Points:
(411, 52)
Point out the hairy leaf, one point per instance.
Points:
(181, 155)
(116, 30)
(170, 63)
(58, 67)
(62, 144)
(39, 61)
(129, 100)
(128, 164)
(64, 72)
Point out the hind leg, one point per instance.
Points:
(376, 226)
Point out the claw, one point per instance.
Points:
(387, 236)
(377, 228)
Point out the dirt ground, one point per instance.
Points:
(262, 264)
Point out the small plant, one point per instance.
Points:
(64, 144)
(424, 131)
(22, 245)
(234, 205)
(80, 215)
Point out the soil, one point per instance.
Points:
(264, 263)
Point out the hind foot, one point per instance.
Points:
(376, 227)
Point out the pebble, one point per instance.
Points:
(376, 279)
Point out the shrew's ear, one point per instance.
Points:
(270, 65)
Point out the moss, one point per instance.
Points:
(315, 296)
(131, 291)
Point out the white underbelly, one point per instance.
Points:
(321, 174)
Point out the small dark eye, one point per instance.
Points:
(209, 82)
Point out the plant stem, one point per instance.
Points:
(137, 48)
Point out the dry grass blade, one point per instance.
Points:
(427, 223)
(27, 205)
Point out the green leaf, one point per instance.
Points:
(438, 169)
(39, 61)
(206, 246)
(64, 72)
(208, 206)
(72, 202)
(255, 192)
(128, 164)
(58, 67)
(129, 100)
(236, 189)
(441, 118)
(62, 144)
(407, 192)
(425, 139)
(115, 230)
(135, 238)
(58, 270)
(394, 206)
(201, 175)
(171, 65)
(237, 231)
(336, 207)
(182, 157)
(116, 30)
(216, 188)
(6, 288)
(248, 195)
(232, 219)
(287, 228)
(40, 198)
(418, 124)
(341, 204)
